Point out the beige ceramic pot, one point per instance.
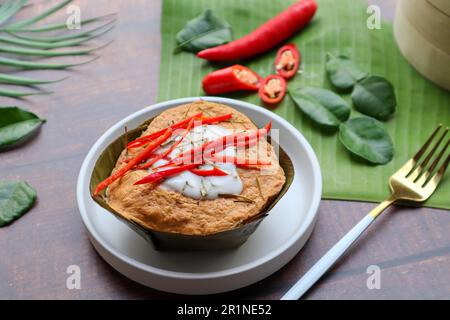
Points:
(443, 5)
(422, 31)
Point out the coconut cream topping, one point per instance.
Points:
(192, 185)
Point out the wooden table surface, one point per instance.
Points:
(411, 246)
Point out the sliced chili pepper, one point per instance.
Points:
(267, 36)
(242, 136)
(149, 158)
(218, 119)
(187, 156)
(240, 162)
(208, 173)
(243, 139)
(273, 90)
(247, 143)
(288, 61)
(156, 177)
(239, 139)
(234, 78)
(145, 139)
(136, 160)
(160, 175)
(169, 151)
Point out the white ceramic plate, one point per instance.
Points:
(277, 240)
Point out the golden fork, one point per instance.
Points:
(414, 182)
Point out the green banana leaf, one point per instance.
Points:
(339, 27)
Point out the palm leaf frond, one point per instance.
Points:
(10, 8)
(63, 37)
(40, 65)
(54, 45)
(19, 94)
(41, 16)
(48, 54)
(56, 26)
(10, 79)
(18, 39)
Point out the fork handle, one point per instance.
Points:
(322, 266)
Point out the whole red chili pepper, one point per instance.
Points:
(136, 160)
(273, 89)
(267, 36)
(234, 78)
(287, 61)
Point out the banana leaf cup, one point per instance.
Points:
(166, 241)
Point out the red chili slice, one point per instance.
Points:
(234, 78)
(161, 175)
(143, 155)
(213, 120)
(158, 176)
(146, 139)
(169, 151)
(240, 162)
(288, 61)
(239, 139)
(273, 89)
(209, 173)
(180, 125)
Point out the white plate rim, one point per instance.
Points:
(310, 215)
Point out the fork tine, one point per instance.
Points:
(425, 178)
(440, 174)
(424, 148)
(411, 165)
(418, 171)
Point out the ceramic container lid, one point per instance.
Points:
(423, 36)
(430, 22)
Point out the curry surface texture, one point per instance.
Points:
(163, 210)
